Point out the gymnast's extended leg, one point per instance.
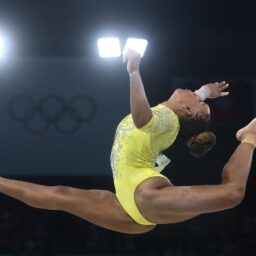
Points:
(99, 207)
(160, 204)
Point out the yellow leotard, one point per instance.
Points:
(135, 151)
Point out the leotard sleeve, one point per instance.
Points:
(162, 121)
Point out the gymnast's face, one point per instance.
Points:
(188, 104)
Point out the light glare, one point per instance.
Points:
(138, 45)
(1, 46)
(109, 47)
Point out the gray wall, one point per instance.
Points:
(85, 152)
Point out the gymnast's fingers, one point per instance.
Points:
(223, 94)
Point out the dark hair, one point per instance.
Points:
(195, 131)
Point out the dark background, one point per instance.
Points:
(52, 50)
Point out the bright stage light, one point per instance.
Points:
(138, 45)
(1, 46)
(109, 47)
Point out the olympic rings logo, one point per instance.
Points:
(52, 110)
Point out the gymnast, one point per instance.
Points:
(144, 197)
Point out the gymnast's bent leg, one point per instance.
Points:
(161, 203)
(99, 207)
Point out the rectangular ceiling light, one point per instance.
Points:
(109, 47)
(138, 45)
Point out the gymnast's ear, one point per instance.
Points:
(186, 110)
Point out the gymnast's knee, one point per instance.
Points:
(61, 190)
(235, 195)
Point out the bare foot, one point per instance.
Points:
(248, 130)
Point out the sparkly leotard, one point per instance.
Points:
(135, 151)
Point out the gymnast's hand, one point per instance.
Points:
(133, 61)
(212, 91)
(217, 89)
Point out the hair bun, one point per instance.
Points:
(201, 144)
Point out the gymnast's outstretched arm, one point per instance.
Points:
(140, 108)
